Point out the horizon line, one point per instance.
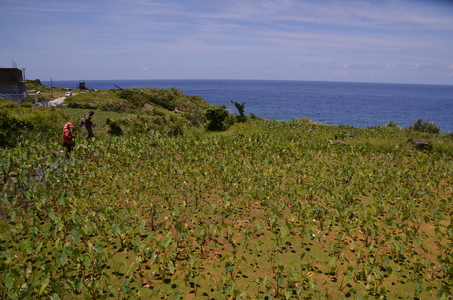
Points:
(292, 80)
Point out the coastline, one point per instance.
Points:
(332, 103)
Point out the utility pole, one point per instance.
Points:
(51, 87)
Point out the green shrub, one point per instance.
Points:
(11, 128)
(229, 121)
(158, 113)
(449, 135)
(113, 127)
(160, 120)
(174, 129)
(137, 98)
(446, 148)
(126, 94)
(304, 120)
(422, 125)
(115, 106)
(82, 105)
(217, 117)
(143, 124)
(166, 100)
(17, 121)
(7, 104)
(27, 105)
(30, 99)
(391, 124)
(195, 118)
(255, 117)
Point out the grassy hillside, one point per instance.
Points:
(168, 111)
(139, 99)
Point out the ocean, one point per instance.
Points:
(334, 103)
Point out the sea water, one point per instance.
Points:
(333, 103)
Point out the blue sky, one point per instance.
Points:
(391, 41)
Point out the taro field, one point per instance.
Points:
(266, 210)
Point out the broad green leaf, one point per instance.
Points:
(55, 297)
(44, 285)
(280, 279)
(171, 267)
(8, 280)
(75, 236)
(177, 294)
(24, 289)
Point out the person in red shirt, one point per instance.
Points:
(68, 136)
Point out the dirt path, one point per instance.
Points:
(57, 101)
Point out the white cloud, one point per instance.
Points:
(340, 73)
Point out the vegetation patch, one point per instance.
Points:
(271, 209)
(263, 210)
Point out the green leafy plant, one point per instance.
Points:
(422, 125)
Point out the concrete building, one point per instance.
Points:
(12, 85)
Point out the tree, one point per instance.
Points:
(241, 109)
(217, 117)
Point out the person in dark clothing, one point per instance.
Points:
(89, 124)
(68, 137)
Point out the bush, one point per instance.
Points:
(217, 117)
(391, 124)
(255, 117)
(114, 127)
(115, 106)
(11, 128)
(174, 129)
(229, 121)
(7, 104)
(27, 105)
(194, 118)
(17, 121)
(158, 113)
(126, 94)
(449, 135)
(82, 105)
(143, 124)
(29, 99)
(304, 120)
(422, 125)
(136, 98)
(166, 100)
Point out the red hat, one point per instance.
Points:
(69, 124)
